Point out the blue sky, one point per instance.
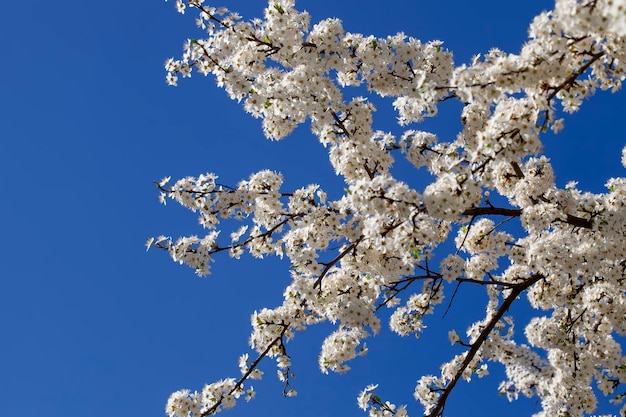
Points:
(91, 324)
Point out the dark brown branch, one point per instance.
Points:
(318, 281)
(498, 211)
(396, 287)
(339, 123)
(511, 212)
(579, 221)
(572, 78)
(478, 343)
(488, 282)
(251, 369)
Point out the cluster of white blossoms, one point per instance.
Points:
(213, 398)
(366, 250)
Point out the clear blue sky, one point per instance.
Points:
(93, 326)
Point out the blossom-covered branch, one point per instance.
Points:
(562, 248)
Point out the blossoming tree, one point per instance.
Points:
(379, 246)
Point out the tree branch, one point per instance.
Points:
(511, 212)
(318, 281)
(478, 343)
(251, 369)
